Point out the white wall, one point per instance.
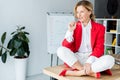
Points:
(32, 14)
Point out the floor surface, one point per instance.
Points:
(38, 77)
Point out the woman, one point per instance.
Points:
(83, 47)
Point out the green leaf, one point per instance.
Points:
(28, 53)
(21, 52)
(27, 40)
(15, 36)
(10, 44)
(4, 57)
(1, 51)
(26, 33)
(26, 48)
(22, 28)
(17, 44)
(13, 32)
(13, 52)
(24, 37)
(3, 37)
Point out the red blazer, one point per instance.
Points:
(97, 39)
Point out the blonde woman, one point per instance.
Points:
(83, 46)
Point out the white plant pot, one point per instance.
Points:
(20, 68)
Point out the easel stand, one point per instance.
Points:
(51, 63)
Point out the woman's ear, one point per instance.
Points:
(90, 12)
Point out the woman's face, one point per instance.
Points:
(83, 14)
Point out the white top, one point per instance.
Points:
(86, 39)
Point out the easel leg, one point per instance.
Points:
(52, 78)
(57, 61)
(51, 64)
(51, 60)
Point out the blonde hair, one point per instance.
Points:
(88, 5)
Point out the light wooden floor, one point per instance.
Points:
(55, 70)
(38, 77)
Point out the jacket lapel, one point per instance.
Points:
(78, 35)
(93, 34)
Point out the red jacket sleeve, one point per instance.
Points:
(70, 45)
(74, 45)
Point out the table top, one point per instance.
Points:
(55, 70)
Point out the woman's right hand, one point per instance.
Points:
(72, 26)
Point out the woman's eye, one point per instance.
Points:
(82, 12)
(77, 12)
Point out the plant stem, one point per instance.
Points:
(4, 48)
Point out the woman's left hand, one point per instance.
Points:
(87, 68)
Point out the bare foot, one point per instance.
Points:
(96, 75)
(75, 73)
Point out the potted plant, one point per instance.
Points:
(18, 46)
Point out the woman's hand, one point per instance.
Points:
(87, 68)
(71, 26)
